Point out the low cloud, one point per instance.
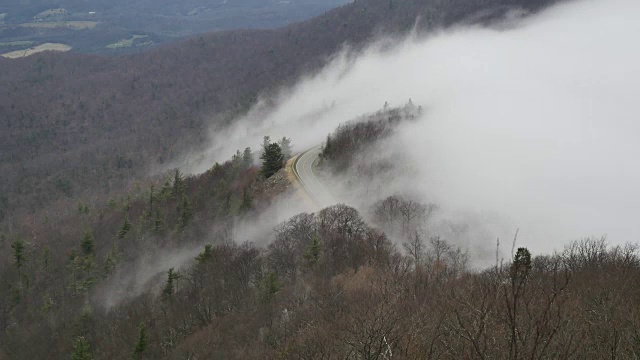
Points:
(535, 123)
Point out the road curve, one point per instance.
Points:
(303, 171)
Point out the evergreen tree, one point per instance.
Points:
(272, 160)
(157, 222)
(247, 158)
(18, 252)
(151, 199)
(83, 208)
(247, 200)
(169, 288)
(237, 160)
(199, 272)
(270, 286)
(166, 190)
(185, 213)
(216, 167)
(206, 255)
(111, 261)
(81, 350)
(226, 205)
(178, 184)
(141, 345)
(46, 258)
(285, 145)
(87, 243)
(521, 265)
(327, 150)
(312, 255)
(266, 141)
(125, 229)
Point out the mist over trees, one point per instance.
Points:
(353, 137)
(328, 284)
(98, 260)
(70, 124)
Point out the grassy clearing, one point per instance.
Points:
(52, 12)
(124, 43)
(36, 49)
(77, 25)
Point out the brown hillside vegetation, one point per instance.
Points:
(76, 125)
(101, 285)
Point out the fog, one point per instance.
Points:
(148, 273)
(534, 122)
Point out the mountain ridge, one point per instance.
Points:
(68, 120)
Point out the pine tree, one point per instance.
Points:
(18, 252)
(185, 213)
(141, 345)
(312, 255)
(87, 243)
(216, 167)
(111, 261)
(46, 258)
(266, 141)
(270, 286)
(285, 145)
(327, 150)
(152, 195)
(81, 350)
(247, 200)
(226, 205)
(521, 265)
(83, 208)
(157, 222)
(169, 288)
(166, 190)
(206, 255)
(272, 160)
(125, 229)
(237, 157)
(247, 158)
(178, 184)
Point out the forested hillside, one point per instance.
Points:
(78, 126)
(161, 273)
(103, 257)
(59, 277)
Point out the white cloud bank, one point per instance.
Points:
(539, 123)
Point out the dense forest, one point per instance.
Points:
(101, 260)
(358, 135)
(83, 126)
(322, 285)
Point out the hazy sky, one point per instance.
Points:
(538, 124)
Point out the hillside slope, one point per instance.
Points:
(73, 125)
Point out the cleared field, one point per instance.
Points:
(36, 49)
(52, 12)
(78, 25)
(126, 42)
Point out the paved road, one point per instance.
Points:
(303, 170)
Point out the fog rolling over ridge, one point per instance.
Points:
(534, 121)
